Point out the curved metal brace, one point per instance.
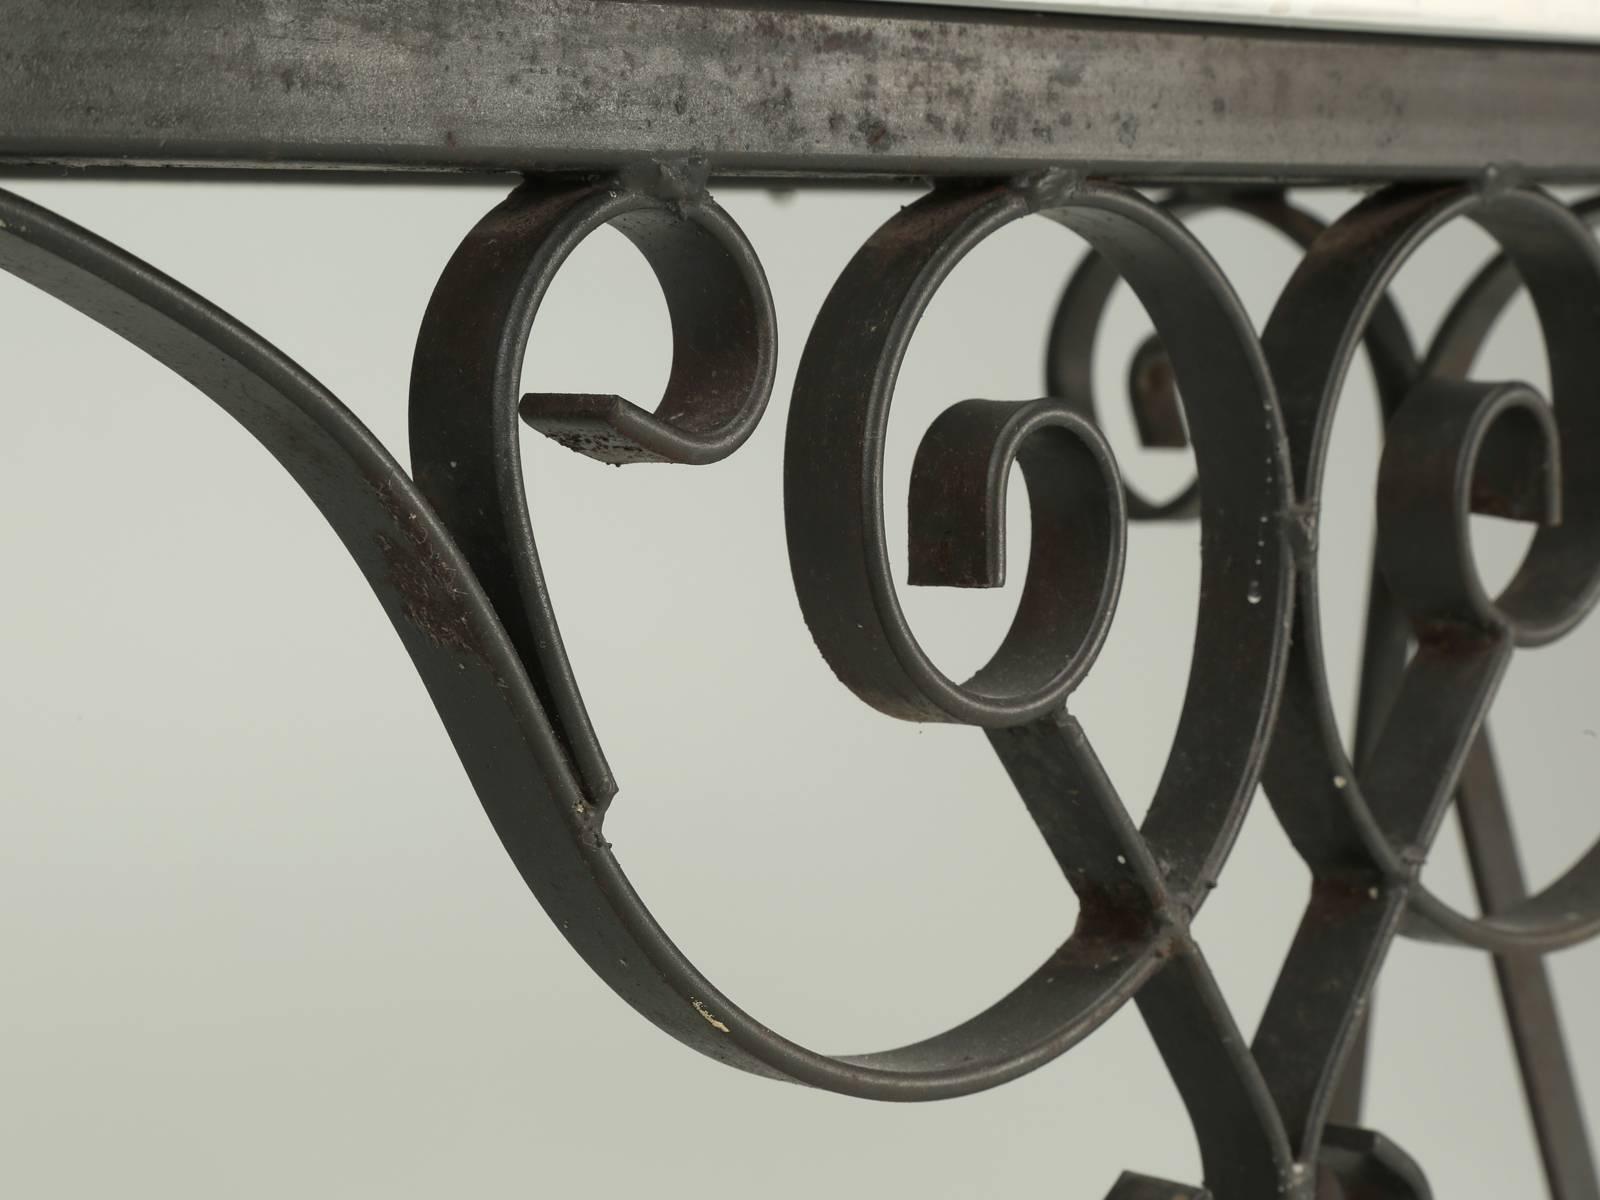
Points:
(481, 687)
(506, 697)
(1152, 384)
(465, 385)
(958, 538)
(1371, 1167)
(1364, 833)
(474, 675)
(834, 515)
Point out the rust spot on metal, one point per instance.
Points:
(875, 133)
(425, 581)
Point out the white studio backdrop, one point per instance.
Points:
(259, 939)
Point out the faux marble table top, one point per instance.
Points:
(1558, 20)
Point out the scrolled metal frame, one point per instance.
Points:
(451, 556)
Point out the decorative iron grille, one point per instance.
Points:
(450, 551)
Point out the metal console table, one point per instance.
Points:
(631, 114)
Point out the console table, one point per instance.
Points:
(634, 116)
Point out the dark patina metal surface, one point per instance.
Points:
(1017, 117)
(452, 559)
(797, 88)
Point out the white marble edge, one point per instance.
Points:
(1504, 20)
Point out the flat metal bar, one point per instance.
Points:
(1525, 991)
(806, 88)
(1385, 645)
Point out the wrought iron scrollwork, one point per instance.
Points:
(465, 389)
(1137, 889)
(452, 558)
(1453, 448)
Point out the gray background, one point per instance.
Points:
(258, 938)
